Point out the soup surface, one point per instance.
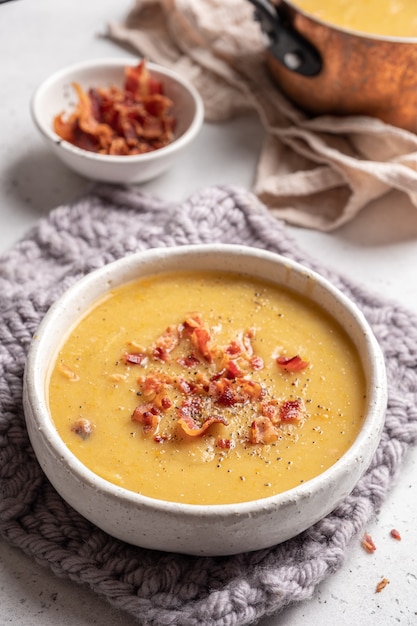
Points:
(392, 18)
(207, 387)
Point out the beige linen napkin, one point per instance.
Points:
(314, 172)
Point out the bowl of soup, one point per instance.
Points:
(204, 399)
(345, 58)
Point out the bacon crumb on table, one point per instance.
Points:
(395, 534)
(381, 585)
(368, 543)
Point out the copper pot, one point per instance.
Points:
(327, 69)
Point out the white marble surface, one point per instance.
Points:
(379, 249)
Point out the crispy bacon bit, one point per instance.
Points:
(226, 395)
(242, 346)
(191, 428)
(160, 438)
(292, 364)
(151, 385)
(381, 585)
(263, 431)
(201, 339)
(395, 534)
(83, 428)
(256, 363)
(232, 370)
(148, 415)
(233, 348)
(291, 411)
(199, 334)
(154, 389)
(190, 408)
(126, 121)
(270, 410)
(229, 392)
(225, 444)
(247, 342)
(135, 358)
(368, 543)
(184, 386)
(166, 403)
(189, 412)
(160, 354)
(139, 82)
(166, 343)
(192, 320)
(188, 361)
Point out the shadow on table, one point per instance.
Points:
(40, 182)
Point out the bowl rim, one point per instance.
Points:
(118, 63)
(35, 388)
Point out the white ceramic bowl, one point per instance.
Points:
(56, 95)
(198, 529)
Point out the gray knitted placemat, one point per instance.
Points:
(155, 587)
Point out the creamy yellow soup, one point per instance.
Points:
(394, 18)
(207, 388)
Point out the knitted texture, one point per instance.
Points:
(154, 587)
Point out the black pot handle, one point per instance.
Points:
(286, 44)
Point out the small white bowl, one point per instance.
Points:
(56, 95)
(198, 529)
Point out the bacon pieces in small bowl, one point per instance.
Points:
(111, 120)
(116, 120)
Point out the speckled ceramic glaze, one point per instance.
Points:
(56, 95)
(194, 529)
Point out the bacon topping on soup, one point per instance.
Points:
(191, 376)
(292, 364)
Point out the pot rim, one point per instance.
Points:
(344, 30)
